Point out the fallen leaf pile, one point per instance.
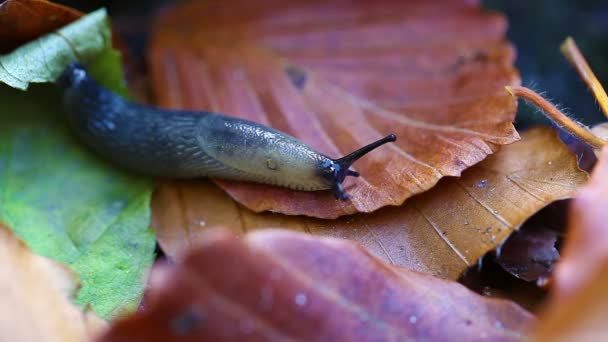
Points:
(317, 70)
(243, 261)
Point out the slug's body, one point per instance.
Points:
(187, 144)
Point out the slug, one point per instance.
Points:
(192, 144)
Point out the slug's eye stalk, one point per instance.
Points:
(335, 170)
(71, 76)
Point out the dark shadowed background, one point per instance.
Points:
(537, 29)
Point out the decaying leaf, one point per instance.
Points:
(578, 309)
(339, 75)
(441, 232)
(276, 285)
(530, 254)
(36, 294)
(24, 20)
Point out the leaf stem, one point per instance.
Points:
(556, 115)
(576, 58)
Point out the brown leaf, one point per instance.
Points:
(25, 20)
(35, 304)
(578, 310)
(530, 254)
(583, 316)
(491, 280)
(275, 285)
(585, 248)
(441, 232)
(339, 75)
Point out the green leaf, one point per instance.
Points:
(63, 201)
(71, 206)
(87, 40)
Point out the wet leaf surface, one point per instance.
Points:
(36, 297)
(24, 20)
(440, 232)
(253, 287)
(339, 75)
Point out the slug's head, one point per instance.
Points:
(335, 170)
(71, 76)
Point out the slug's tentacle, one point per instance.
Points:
(188, 144)
(337, 169)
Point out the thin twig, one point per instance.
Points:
(576, 58)
(556, 115)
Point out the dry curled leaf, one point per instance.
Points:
(275, 285)
(441, 232)
(25, 20)
(36, 294)
(339, 75)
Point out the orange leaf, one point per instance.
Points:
(585, 248)
(25, 20)
(578, 310)
(441, 232)
(580, 317)
(275, 285)
(339, 75)
(36, 293)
